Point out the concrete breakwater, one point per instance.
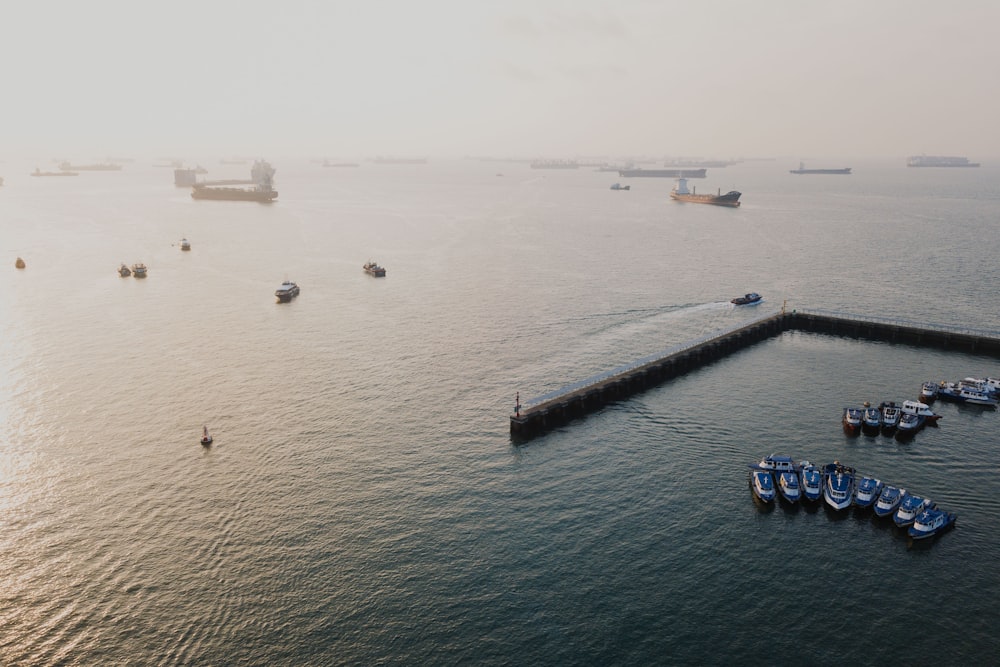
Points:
(559, 407)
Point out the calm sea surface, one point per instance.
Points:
(363, 502)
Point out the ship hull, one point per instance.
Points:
(234, 194)
(662, 173)
(731, 200)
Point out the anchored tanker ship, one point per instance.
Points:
(681, 193)
(939, 161)
(802, 170)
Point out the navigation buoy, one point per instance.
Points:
(19, 263)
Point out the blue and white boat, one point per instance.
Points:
(888, 501)
(788, 486)
(812, 481)
(931, 522)
(852, 419)
(871, 418)
(914, 416)
(838, 485)
(890, 416)
(928, 391)
(762, 485)
(909, 508)
(867, 492)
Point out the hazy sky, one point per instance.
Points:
(534, 78)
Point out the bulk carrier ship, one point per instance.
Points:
(262, 177)
(681, 193)
(939, 161)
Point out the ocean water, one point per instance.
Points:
(363, 502)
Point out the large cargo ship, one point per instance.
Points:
(104, 166)
(939, 161)
(663, 173)
(555, 164)
(802, 170)
(262, 177)
(681, 193)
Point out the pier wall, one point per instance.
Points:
(561, 407)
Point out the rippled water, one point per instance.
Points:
(363, 503)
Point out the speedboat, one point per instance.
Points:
(888, 501)
(747, 299)
(867, 492)
(788, 486)
(838, 485)
(124, 271)
(928, 391)
(374, 269)
(871, 418)
(890, 416)
(852, 419)
(206, 439)
(287, 291)
(139, 270)
(619, 186)
(185, 244)
(812, 481)
(931, 522)
(762, 485)
(909, 508)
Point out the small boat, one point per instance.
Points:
(373, 269)
(908, 425)
(812, 481)
(19, 264)
(930, 522)
(762, 485)
(890, 416)
(139, 270)
(909, 508)
(206, 439)
(852, 419)
(871, 418)
(185, 244)
(619, 186)
(838, 485)
(789, 487)
(747, 299)
(124, 271)
(867, 492)
(888, 501)
(928, 391)
(287, 291)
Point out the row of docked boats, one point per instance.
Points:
(904, 420)
(841, 487)
(970, 390)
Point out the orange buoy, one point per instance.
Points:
(19, 263)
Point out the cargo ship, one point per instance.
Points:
(39, 172)
(662, 173)
(262, 177)
(399, 160)
(802, 170)
(681, 193)
(939, 161)
(555, 164)
(104, 166)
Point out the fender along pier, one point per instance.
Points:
(554, 409)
